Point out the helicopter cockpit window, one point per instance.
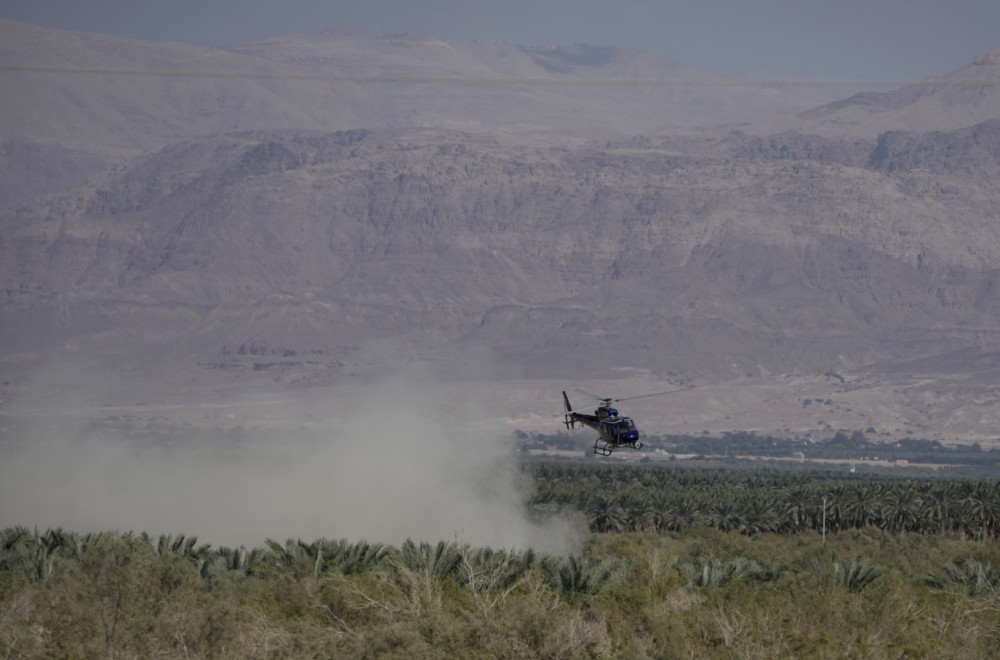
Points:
(621, 426)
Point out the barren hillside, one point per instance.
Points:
(189, 228)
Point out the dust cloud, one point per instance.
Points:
(391, 461)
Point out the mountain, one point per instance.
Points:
(328, 210)
(117, 97)
(966, 96)
(31, 168)
(259, 250)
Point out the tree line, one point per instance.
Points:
(841, 445)
(648, 498)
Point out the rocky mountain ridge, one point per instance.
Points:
(491, 226)
(305, 255)
(966, 96)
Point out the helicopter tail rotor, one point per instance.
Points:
(568, 418)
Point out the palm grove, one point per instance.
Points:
(703, 562)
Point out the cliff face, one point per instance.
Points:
(629, 253)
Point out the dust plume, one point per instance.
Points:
(391, 461)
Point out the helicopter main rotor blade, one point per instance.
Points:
(643, 396)
(594, 396)
(605, 399)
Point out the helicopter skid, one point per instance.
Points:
(603, 450)
(606, 449)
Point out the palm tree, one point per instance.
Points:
(799, 508)
(30, 555)
(496, 569)
(901, 508)
(432, 561)
(677, 513)
(577, 575)
(974, 578)
(606, 514)
(966, 520)
(862, 505)
(983, 500)
(356, 557)
(853, 575)
(179, 546)
(941, 501)
(642, 512)
(284, 556)
(856, 574)
(714, 573)
(704, 574)
(725, 515)
(836, 507)
(760, 515)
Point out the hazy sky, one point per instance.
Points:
(814, 39)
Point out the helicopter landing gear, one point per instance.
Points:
(602, 450)
(606, 449)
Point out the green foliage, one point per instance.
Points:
(643, 498)
(972, 577)
(856, 574)
(700, 574)
(431, 561)
(355, 557)
(693, 563)
(578, 575)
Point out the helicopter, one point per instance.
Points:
(615, 431)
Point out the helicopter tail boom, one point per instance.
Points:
(569, 420)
